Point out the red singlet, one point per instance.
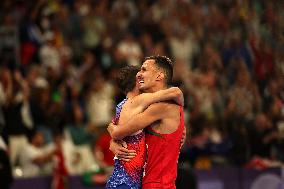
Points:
(163, 152)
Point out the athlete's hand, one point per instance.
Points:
(110, 128)
(179, 99)
(119, 148)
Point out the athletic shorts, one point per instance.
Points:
(122, 186)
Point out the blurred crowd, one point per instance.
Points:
(58, 60)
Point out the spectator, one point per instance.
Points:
(228, 60)
(130, 50)
(16, 112)
(81, 139)
(49, 54)
(5, 166)
(35, 158)
(60, 172)
(262, 137)
(102, 153)
(100, 111)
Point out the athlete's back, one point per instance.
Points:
(128, 174)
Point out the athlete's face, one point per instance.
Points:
(147, 76)
(136, 89)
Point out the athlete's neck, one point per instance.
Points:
(156, 88)
(132, 94)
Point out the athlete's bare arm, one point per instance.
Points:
(140, 121)
(138, 105)
(142, 101)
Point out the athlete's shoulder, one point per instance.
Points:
(167, 108)
(163, 107)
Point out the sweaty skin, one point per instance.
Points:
(157, 115)
(130, 173)
(136, 104)
(165, 126)
(150, 79)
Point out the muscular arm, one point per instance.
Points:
(140, 121)
(142, 101)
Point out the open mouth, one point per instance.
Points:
(140, 80)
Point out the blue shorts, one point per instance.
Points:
(122, 186)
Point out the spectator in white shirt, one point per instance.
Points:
(35, 158)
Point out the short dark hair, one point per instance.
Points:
(126, 78)
(32, 133)
(165, 64)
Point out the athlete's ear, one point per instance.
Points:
(160, 76)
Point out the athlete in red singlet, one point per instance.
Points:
(161, 168)
(164, 126)
(128, 174)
